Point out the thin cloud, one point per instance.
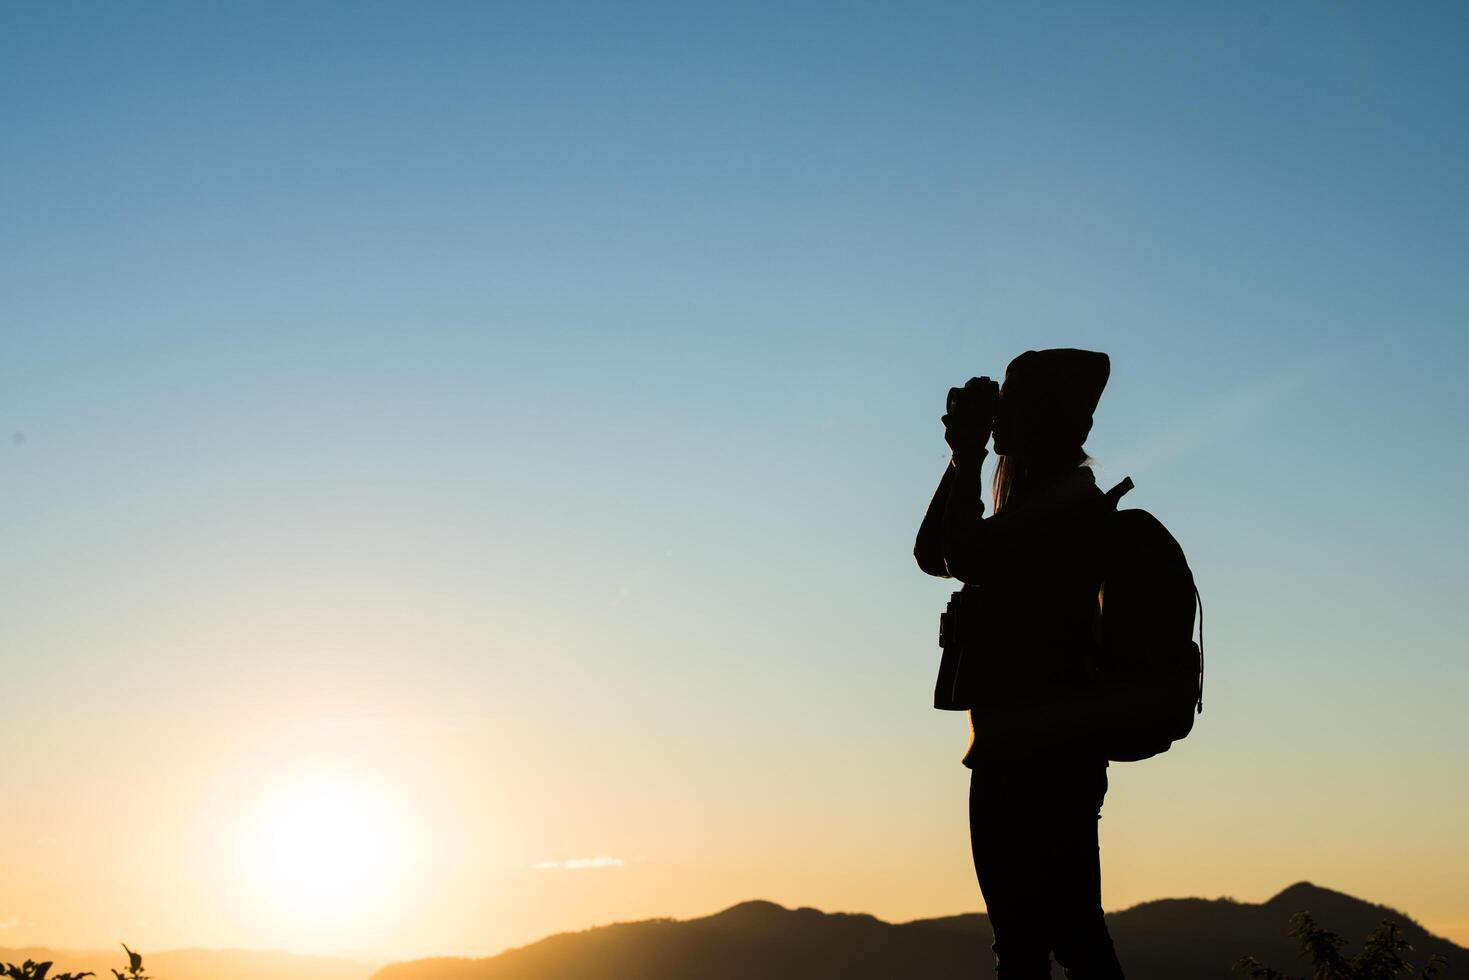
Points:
(580, 864)
(1251, 403)
(1195, 430)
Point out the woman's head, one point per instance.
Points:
(1044, 415)
(1047, 400)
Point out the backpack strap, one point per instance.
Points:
(1200, 600)
(1118, 492)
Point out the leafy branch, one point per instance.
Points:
(1382, 956)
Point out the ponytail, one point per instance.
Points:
(1019, 476)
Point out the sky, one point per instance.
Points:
(459, 462)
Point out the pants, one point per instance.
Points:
(1033, 832)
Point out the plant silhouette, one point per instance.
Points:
(31, 970)
(135, 967)
(1380, 958)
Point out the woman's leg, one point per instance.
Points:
(1002, 820)
(1080, 937)
(1033, 832)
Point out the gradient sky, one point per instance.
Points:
(520, 414)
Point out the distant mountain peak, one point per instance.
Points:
(754, 908)
(761, 917)
(1300, 890)
(1324, 904)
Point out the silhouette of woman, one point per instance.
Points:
(1036, 785)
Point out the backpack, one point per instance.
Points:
(1144, 674)
(1148, 671)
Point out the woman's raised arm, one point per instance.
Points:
(929, 548)
(963, 524)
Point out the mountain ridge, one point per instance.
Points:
(1164, 939)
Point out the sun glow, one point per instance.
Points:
(323, 846)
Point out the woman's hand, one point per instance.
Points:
(967, 441)
(967, 431)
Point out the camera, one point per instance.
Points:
(959, 627)
(976, 401)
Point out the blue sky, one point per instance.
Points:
(568, 375)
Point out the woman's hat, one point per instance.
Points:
(1056, 391)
